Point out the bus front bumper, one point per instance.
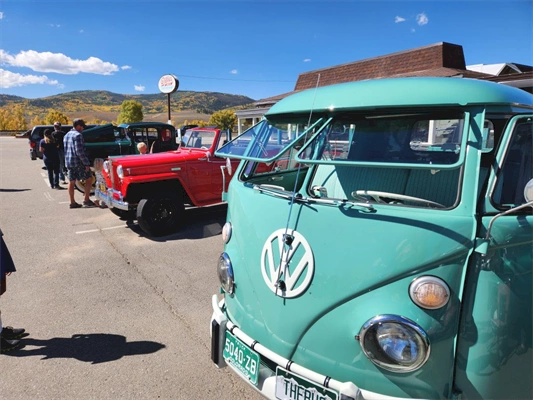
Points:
(273, 383)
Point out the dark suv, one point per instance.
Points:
(37, 133)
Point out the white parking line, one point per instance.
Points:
(48, 197)
(99, 230)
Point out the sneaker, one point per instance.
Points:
(89, 203)
(75, 205)
(11, 333)
(64, 182)
(8, 345)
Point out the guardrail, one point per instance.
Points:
(11, 133)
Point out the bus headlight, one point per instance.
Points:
(120, 172)
(225, 273)
(227, 230)
(394, 343)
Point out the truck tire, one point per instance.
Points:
(161, 214)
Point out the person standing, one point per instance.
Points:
(8, 335)
(77, 163)
(48, 148)
(58, 135)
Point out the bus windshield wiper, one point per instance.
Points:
(279, 191)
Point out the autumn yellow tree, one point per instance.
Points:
(224, 119)
(55, 116)
(198, 122)
(13, 118)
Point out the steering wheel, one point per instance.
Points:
(379, 196)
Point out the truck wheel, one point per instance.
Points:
(80, 185)
(160, 215)
(123, 214)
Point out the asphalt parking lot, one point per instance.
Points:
(111, 314)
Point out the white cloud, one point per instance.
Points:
(10, 79)
(55, 25)
(1, 15)
(307, 60)
(81, 30)
(234, 72)
(125, 67)
(139, 88)
(422, 19)
(57, 62)
(398, 19)
(413, 30)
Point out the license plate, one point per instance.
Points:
(290, 386)
(103, 188)
(241, 357)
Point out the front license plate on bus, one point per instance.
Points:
(241, 357)
(290, 386)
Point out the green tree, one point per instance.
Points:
(224, 119)
(130, 111)
(54, 115)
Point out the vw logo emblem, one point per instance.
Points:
(293, 264)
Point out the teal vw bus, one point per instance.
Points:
(379, 242)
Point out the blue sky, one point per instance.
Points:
(248, 47)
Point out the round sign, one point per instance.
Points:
(168, 84)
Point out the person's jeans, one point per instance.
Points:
(53, 172)
(62, 169)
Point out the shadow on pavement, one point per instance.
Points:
(199, 223)
(13, 190)
(94, 348)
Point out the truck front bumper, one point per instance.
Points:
(113, 198)
(268, 377)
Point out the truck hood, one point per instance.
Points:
(143, 161)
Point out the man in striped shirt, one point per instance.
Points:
(77, 163)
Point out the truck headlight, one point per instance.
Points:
(120, 172)
(225, 273)
(105, 167)
(394, 343)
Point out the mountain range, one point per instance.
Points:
(104, 105)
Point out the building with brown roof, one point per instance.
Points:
(440, 59)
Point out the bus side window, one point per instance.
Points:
(517, 168)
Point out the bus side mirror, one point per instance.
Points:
(528, 191)
(528, 194)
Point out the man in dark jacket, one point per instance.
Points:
(58, 135)
(8, 334)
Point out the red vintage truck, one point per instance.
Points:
(154, 188)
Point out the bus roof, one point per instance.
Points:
(402, 92)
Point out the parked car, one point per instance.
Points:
(37, 133)
(108, 140)
(158, 136)
(384, 250)
(154, 188)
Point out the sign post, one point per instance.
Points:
(168, 84)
